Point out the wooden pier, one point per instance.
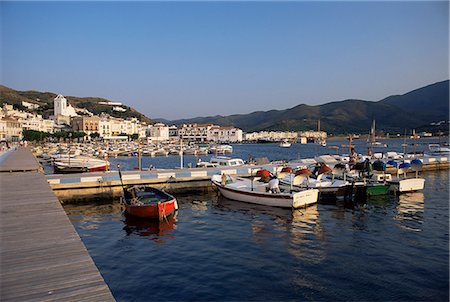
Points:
(42, 257)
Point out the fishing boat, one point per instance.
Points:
(257, 192)
(148, 202)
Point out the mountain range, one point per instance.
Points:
(416, 109)
(395, 113)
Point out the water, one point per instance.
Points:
(390, 248)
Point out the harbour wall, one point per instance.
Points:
(104, 185)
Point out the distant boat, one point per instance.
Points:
(221, 149)
(79, 165)
(437, 148)
(285, 144)
(222, 161)
(256, 192)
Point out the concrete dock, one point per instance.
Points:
(42, 257)
(102, 185)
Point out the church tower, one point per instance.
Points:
(60, 105)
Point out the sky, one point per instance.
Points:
(186, 59)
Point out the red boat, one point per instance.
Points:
(149, 202)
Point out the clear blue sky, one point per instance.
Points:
(180, 60)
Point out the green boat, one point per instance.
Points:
(366, 190)
(377, 189)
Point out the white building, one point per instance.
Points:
(37, 123)
(220, 134)
(173, 131)
(194, 132)
(30, 105)
(62, 108)
(158, 132)
(271, 136)
(105, 127)
(119, 109)
(10, 129)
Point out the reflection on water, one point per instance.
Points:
(149, 227)
(215, 249)
(302, 227)
(410, 211)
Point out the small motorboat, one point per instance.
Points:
(328, 188)
(285, 144)
(257, 192)
(148, 202)
(80, 164)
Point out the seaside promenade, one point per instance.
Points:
(42, 257)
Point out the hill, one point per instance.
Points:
(45, 101)
(432, 99)
(395, 113)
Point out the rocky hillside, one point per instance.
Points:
(45, 101)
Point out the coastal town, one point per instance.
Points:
(82, 125)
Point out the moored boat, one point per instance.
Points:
(80, 164)
(148, 202)
(285, 144)
(256, 192)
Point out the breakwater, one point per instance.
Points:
(88, 186)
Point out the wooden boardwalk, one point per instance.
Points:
(20, 160)
(42, 257)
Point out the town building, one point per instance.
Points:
(86, 124)
(10, 129)
(221, 134)
(60, 107)
(158, 133)
(194, 132)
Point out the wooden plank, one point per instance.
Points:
(20, 160)
(42, 257)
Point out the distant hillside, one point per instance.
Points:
(432, 99)
(414, 109)
(45, 100)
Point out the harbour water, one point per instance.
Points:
(390, 248)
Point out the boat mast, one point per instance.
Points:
(371, 139)
(181, 153)
(139, 152)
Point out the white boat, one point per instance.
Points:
(255, 192)
(80, 164)
(437, 148)
(285, 144)
(221, 149)
(227, 161)
(222, 161)
(328, 187)
(402, 185)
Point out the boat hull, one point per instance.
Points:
(369, 190)
(153, 211)
(407, 185)
(295, 200)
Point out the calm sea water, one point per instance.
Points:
(390, 248)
